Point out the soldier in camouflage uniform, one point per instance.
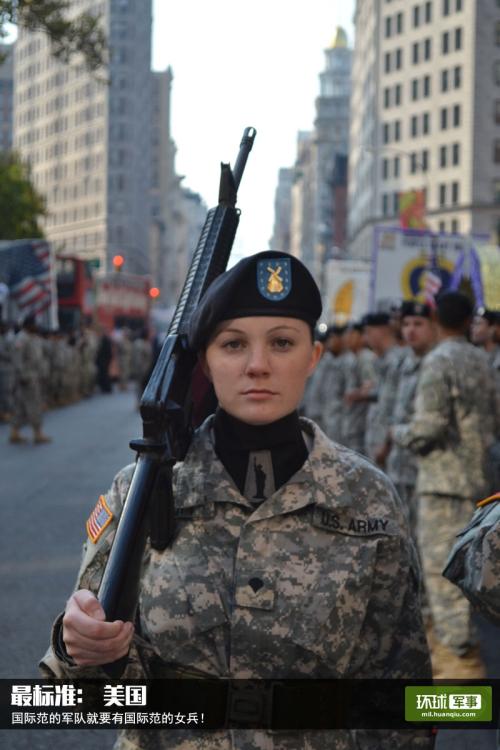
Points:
(418, 333)
(454, 423)
(334, 384)
(302, 569)
(27, 394)
(6, 371)
(474, 562)
(381, 339)
(360, 380)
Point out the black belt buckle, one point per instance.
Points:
(249, 704)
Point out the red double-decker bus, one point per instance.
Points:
(114, 300)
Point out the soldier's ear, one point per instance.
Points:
(317, 351)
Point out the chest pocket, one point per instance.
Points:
(183, 614)
(342, 588)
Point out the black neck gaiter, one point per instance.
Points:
(260, 459)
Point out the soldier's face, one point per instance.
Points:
(259, 366)
(480, 330)
(418, 332)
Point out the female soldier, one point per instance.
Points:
(292, 558)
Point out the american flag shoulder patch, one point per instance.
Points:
(98, 520)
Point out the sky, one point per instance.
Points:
(239, 64)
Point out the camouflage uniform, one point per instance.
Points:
(6, 374)
(454, 423)
(360, 371)
(474, 562)
(338, 595)
(27, 392)
(401, 462)
(314, 399)
(334, 390)
(379, 413)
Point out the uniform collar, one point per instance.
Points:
(202, 478)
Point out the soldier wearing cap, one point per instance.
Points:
(453, 425)
(292, 558)
(360, 381)
(381, 338)
(419, 334)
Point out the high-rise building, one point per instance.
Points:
(310, 213)
(6, 96)
(425, 115)
(88, 140)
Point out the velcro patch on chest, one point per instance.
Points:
(351, 524)
(99, 520)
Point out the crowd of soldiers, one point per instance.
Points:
(417, 391)
(42, 369)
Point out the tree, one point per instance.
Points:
(21, 206)
(68, 36)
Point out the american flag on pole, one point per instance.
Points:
(431, 286)
(25, 268)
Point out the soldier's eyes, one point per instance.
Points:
(282, 343)
(232, 344)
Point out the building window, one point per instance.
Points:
(442, 156)
(456, 154)
(397, 130)
(399, 58)
(425, 123)
(496, 191)
(442, 226)
(458, 39)
(414, 89)
(444, 80)
(413, 163)
(427, 85)
(427, 49)
(388, 26)
(428, 12)
(395, 203)
(416, 15)
(385, 204)
(454, 193)
(385, 132)
(446, 7)
(387, 62)
(497, 33)
(457, 77)
(397, 93)
(496, 151)
(425, 160)
(396, 166)
(444, 118)
(456, 115)
(399, 23)
(387, 98)
(454, 226)
(385, 169)
(497, 111)
(445, 43)
(415, 53)
(414, 126)
(442, 195)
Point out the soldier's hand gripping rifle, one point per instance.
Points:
(166, 410)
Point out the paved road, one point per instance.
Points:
(48, 492)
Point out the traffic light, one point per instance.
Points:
(118, 261)
(154, 292)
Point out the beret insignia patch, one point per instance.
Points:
(274, 278)
(98, 520)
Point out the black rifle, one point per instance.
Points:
(166, 411)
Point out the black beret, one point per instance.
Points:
(376, 319)
(268, 283)
(490, 316)
(412, 307)
(335, 330)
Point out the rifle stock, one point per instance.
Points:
(166, 411)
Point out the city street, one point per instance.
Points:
(49, 491)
